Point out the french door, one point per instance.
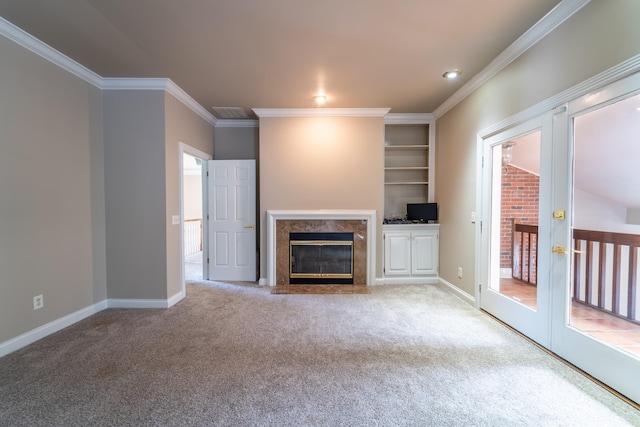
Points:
(595, 272)
(568, 278)
(514, 263)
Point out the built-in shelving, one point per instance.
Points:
(408, 168)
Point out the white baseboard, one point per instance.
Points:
(262, 281)
(40, 332)
(457, 291)
(137, 303)
(409, 280)
(49, 328)
(176, 299)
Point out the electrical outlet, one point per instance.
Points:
(38, 302)
(459, 272)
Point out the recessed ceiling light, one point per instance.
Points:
(320, 99)
(452, 74)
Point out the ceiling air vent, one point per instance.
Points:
(230, 113)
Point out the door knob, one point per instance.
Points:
(250, 227)
(559, 250)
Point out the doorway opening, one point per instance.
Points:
(192, 236)
(193, 203)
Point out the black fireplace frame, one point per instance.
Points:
(321, 239)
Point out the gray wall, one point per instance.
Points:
(134, 142)
(143, 130)
(237, 143)
(599, 36)
(52, 233)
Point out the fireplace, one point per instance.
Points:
(360, 225)
(320, 258)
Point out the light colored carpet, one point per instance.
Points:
(236, 355)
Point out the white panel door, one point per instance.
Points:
(232, 220)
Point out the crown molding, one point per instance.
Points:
(408, 118)
(544, 26)
(124, 83)
(191, 103)
(237, 123)
(321, 112)
(611, 75)
(163, 84)
(26, 40)
(29, 42)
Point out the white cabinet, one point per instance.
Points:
(411, 253)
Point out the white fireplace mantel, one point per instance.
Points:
(323, 214)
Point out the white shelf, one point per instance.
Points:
(408, 161)
(406, 147)
(403, 168)
(407, 183)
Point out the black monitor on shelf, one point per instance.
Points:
(422, 212)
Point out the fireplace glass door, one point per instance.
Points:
(321, 258)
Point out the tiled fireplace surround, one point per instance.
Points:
(362, 223)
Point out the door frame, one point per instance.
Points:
(556, 105)
(603, 361)
(611, 75)
(183, 149)
(532, 322)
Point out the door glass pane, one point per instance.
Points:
(605, 302)
(514, 216)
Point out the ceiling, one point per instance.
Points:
(280, 53)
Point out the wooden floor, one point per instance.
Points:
(610, 329)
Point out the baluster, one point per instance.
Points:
(615, 297)
(588, 272)
(602, 273)
(633, 282)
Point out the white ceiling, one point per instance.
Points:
(279, 53)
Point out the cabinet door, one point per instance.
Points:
(397, 253)
(424, 253)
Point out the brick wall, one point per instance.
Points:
(520, 199)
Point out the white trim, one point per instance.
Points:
(171, 301)
(548, 23)
(410, 280)
(409, 119)
(29, 42)
(40, 332)
(137, 303)
(191, 103)
(186, 148)
(26, 40)
(457, 292)
(163, 84)
(335, 214)
(56, 325)
(617, 72)
(321, 112)
(237, 123)
(124, 83)
(182, 150)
